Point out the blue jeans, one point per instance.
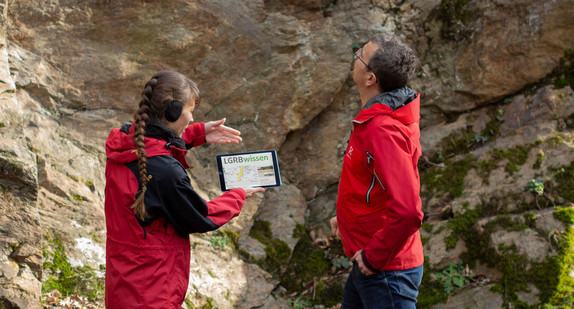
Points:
(396, 289)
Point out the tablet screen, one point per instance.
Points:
(248, 169)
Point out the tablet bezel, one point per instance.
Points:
(275, 161)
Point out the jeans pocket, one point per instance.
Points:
(406, 282)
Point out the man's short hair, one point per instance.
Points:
(393, 63)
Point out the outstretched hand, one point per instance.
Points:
(251, 191)
(217, 133)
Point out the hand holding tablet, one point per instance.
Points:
(248, 170)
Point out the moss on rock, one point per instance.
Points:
(551, 276)
(308, 261)
(277, 252)
(564, 178)
(515, 156)
(437, 180)
(69, 280)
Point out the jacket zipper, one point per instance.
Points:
(368, 198)
(375, 176)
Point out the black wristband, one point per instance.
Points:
(366, 262)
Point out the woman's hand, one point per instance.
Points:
(251, 191)
(217, 133)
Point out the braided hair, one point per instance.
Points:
(158, 93)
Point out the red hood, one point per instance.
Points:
(407, 114)
(120, 147)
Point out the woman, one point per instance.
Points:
(151, 207)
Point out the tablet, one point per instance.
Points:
(248, 170)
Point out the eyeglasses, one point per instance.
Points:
(356, 56)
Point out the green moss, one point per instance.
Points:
(261, 230)
(530, 219)
(492, 128)
(565, 214)
(90, 184)
(565, 72)
(539, 160)
(484, 168)
(425, 240)
(74, 178)
(209, 304)
(553, 275)
(437, 180)
(67, 279)
(307, 262)
(460, 224)
(276, 256)
(555, 141)
(564, 292)
(458, 142)
(510, 225)
(277, 252)
(34, 149)
(2, 124)
(564, 178)
(15, 246)
(453, 15)
(17, 169)
(431, 291)
(450, 241)
(221, 239)
(211, 274)
(77, 197)
(427, 227)
(189, 304)
(328, 295)
(513, 266)
(515, 156)
(5, 191)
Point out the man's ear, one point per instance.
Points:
(372, 80)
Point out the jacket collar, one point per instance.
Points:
(120, 145)
(156, 129)
(394, 99)
(402, 104)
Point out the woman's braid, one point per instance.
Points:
(141, 118)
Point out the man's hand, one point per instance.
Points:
(358, 258)
(335, 227)
(217, 133)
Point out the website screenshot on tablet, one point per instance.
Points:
(248, 169)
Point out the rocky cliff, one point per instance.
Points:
(497, 131)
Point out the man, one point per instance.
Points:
(378, 205)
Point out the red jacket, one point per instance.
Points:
(378, 205)
(147, 262)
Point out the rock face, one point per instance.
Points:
(493, 123)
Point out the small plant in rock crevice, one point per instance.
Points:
(454, 276)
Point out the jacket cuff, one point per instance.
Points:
(194, 135)
(366, 262)
(241, 192)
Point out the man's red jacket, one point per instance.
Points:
(147, 262)
(378, 205)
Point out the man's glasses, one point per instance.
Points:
(356, 56)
